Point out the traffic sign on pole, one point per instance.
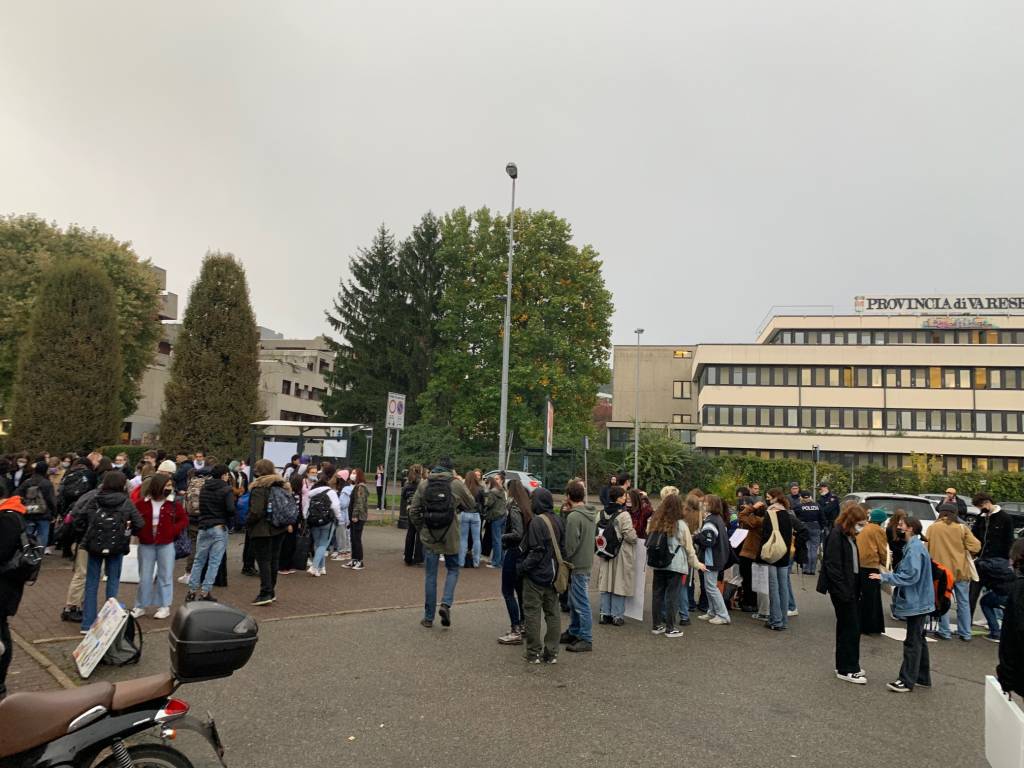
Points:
(396, 411)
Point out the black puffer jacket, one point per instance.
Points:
(1010, 671)
(113, 502)
(216, 503)
(840, 567)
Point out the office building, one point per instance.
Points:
(666, 397)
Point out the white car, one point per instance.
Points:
(530, 482)
(915, 506)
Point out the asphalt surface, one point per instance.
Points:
(376, 689)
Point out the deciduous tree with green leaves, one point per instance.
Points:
(67, 385)
(561, 327)
(29, 248)
(212, 396)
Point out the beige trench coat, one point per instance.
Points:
(617, 576)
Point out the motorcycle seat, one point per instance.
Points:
(131, 693)
(30, 719)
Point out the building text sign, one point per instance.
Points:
(941, 304)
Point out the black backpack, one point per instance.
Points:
(659, 554)
(35, 504)
(607, 542)
(27, 559)
(438, 504)
(127, 645)
(107, 533)
(74, 486)
(319, 512)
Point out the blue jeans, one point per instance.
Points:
(684, 597)
(613, 605)
(961, 590)
(92, 584)
(159, 593)
(431, 564)
(813, 542)
(211, 543)
(497, 528)
(792, 592)
(716, 603)
(991, 604)
(580, 619)
(39, 529)
(469, 521)
(778, 595)
(322, 535)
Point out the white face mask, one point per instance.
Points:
(199, 464)
(21, 464)
(859, 527)
(65, 464)
(170, 497)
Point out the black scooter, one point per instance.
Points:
(75, 728)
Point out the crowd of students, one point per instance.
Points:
(705, 555)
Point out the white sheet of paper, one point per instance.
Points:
(900, 634)
(635, 604)
(279, 452)
(1004, 728)
(737, 537)
(759, 578)
(130, 566)
(99, 637)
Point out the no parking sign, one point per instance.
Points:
(396, 411)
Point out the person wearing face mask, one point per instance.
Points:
(164, 518)
(21, 471)
(840, 580)
(873, 551)
(122, 465)
(216, 511)
(36, 493)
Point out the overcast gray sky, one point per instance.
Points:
(722, 157)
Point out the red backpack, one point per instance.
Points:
(942, 578)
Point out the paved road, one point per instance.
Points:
(375, 689)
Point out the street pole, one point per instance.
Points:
(513, 172)
(815, 451)
(394, 477)
(369, 451)
(387, 455)
(636, 415)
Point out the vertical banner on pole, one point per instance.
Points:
(586, 447)
(549, 428)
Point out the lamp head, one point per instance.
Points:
(512, 170)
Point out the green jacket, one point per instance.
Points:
(495, 503)
(358, 508)
(256, 521)
(580, 530)
(441, 542)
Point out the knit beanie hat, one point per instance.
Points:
(877, 516)
(343, 474)
(168, 467)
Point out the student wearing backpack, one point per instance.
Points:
(434, 510)
(216, 511)
(36, 493)
(322, 513)
(196, 479)
(951, 543)
(109, 522)
(580, 529)
(714, 551)
(615, 579)
(671, 555)
(12, 584)
(912, 600)
(778, 567)
(265, 537)
(164, 519)
(841, 580)
(539, 568)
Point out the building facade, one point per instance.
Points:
(940, 376)
(293, 377)
(667, 399)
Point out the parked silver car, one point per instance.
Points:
(530, 482)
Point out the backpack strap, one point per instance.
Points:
(554, 541)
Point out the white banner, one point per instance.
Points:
(940, 304)
(635, 604)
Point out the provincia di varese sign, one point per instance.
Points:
(996, 304)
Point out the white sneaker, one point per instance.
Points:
(854, 677)
(705, 617)
(658, 630)
(718, 621)
(674, 632)
(322, 571)
(312, 571)
(791, 614)
(183, 579)
(138, 613)
(162, 613)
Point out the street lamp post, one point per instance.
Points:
(513, 173)
(636, 415)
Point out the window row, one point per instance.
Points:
(889, 460)
(621, 438)
(934, 377)
(682, 418)
(929, 336)
(887, 419)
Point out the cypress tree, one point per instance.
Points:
(213, 393)
(69, 374)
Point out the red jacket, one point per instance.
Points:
(173, 520)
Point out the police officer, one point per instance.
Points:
(828, 502)
(809, 513)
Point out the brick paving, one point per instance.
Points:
(385, 583)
